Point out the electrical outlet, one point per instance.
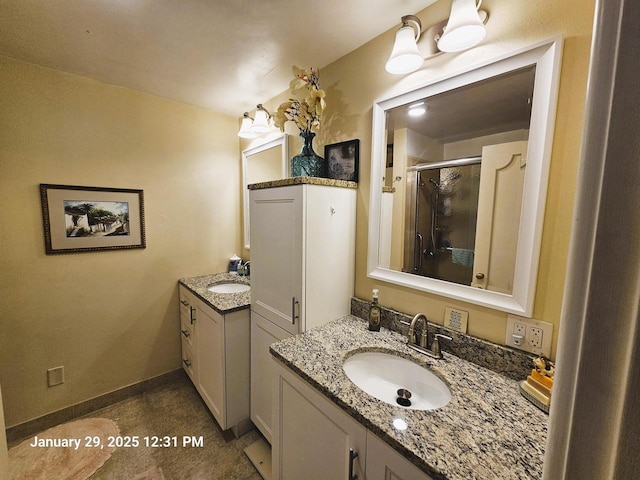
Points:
(55, 376)
(535, 339)
(529, 335)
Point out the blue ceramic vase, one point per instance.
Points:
(308, 163)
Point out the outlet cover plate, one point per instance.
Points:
(531, 342)
(55, 376)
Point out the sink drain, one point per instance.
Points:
(403, 397)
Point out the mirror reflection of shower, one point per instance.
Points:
(441, 226)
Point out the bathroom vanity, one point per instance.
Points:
(215, 330)
(487, 430)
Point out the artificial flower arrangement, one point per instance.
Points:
(305, 113)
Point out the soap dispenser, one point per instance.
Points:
(234, 263)
(374, 313)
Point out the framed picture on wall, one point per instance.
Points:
(89, 219)
(342, 160)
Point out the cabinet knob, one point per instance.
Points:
(479, 276)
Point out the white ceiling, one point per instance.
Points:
(225, 55)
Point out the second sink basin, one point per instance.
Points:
(397, 381)
(229, 287)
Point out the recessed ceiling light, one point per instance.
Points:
(417, 110)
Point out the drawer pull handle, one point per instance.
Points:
(352, 456)
(192, 317)
(186, 333)
(294, 303)
(186, 362)
(184, 302)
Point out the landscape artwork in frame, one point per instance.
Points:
(88, 219)
(342, 160)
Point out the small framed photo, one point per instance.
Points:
(342, 160)
(89, 219)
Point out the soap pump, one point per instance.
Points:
(374, 313)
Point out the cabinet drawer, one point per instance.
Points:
(189, 360)
(187, 304)
(186, 331)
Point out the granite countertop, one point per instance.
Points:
(487, 431)
(303, 180)
(221, 302)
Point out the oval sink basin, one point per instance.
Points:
(397, 381)
(229, 288)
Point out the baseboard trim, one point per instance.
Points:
(24, 430)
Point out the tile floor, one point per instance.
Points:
(175, 410)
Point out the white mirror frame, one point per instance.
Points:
(546, 56)
(279, 141)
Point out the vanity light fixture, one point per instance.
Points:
(405, 56)
(252, 127)
(261, 120)
(245, 127)
(464, 29)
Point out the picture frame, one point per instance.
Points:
(343, 159)
(79, 219)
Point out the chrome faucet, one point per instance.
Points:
(243, 269)
(422, 347)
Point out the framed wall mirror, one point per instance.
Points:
(262, 163)
(459, 179)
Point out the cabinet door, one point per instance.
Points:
(210, 345)
(384, 463)
(313, 437)
(263, 372)
(276, 255)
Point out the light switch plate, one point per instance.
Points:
(456, 319)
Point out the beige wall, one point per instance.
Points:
(111, 318)
(356, 80)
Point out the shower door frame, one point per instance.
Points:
(413, 252)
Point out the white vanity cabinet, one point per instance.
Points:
(314, 439)
(216, 356)
(302, 272)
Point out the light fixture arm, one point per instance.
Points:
(414, 22)
(261, 107)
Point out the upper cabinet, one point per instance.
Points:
(459, 180)
(302, 254)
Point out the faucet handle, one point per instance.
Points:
(411, 336)
(435, 346)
